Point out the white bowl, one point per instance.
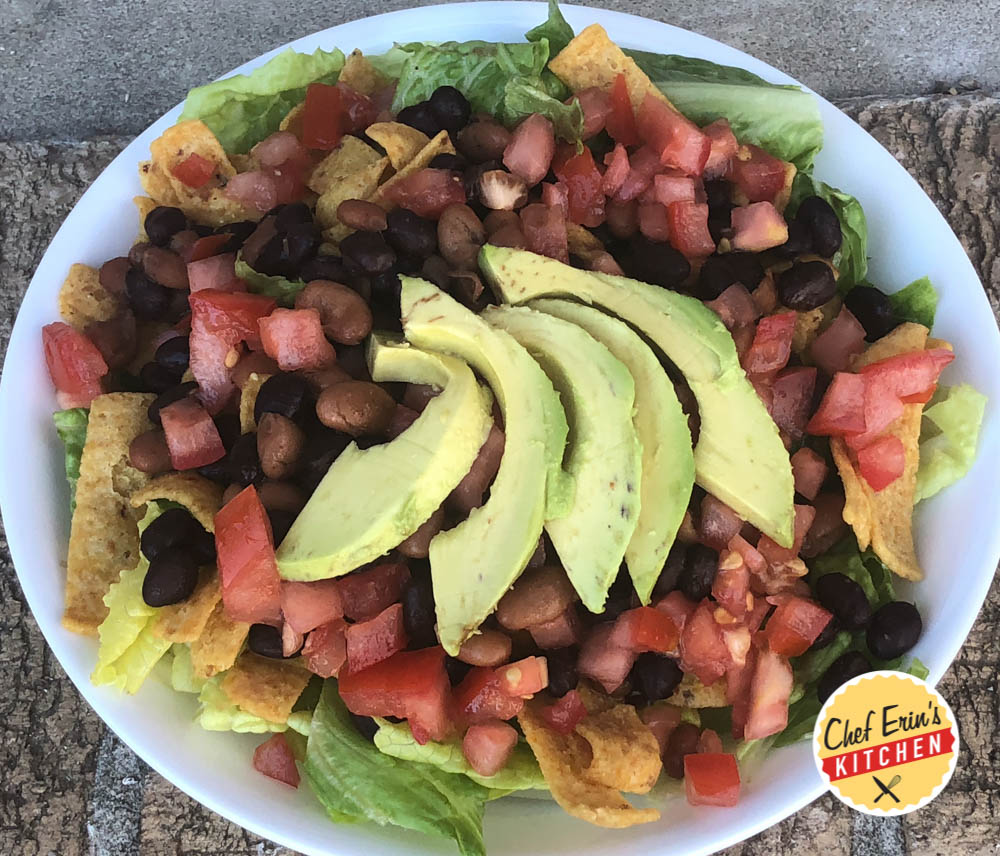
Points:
(958, 539)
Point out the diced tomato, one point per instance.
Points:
(842, 410)
(736, 637)
(205, 247)
(605, 663)
(709, 742)
(545, 231)
(411, 684)
(654, 222)
(908, 374)
(757, 227)
(481, 697)
(833, 349)
(220, 320)
(738, 682)
(75, 364)
(566, 714)
(556, 196)
(769, 693)
(673, 187)
(755, 562)
(215, 272)
(809, 471)
(723, 150)
(596, 106)
(364, 594)
(251, 588)
(192, 437)
(661, 719)
(772, 344)
(735, 306)
(427, 192)
(620, 123)
(291, 640)
(732, 583)
(795, 625)
(275, 759)
(525, 677)
(689, 233)
(194, 171)
(882, 407)
(583, 184)
(288, 182)
(759, 175)
(561, 632)
(294, 338)
(359, 111)
(645, 629)
(675, 138)
(322, 118)
(703, 650)
(712, 778)
(257, 189)
(791, 399)
(678, 607)
(919, 397)
(325, 651)
(370, 642)
(530, 150)
(305, 606)
(279, 148)
(774, 552)
(616, 170)
(718, 524)
(644, 164)
(882, 462)
(487, 746)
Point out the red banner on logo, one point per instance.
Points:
(885, 755)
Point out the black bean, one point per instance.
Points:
(242, 461)
(351, 358)
(200, 230)
(172, 577)
(238, 233)
(202, 546)
(827, 634)
(621, 596)
(293, 214)
(872, 309)
(228, 425)
(845, 667)
(174, 354)
(323, 267)
(446, 160)
(721, 271)
(845, 599)
(283, 393)
(148, 300)
(156, 378)
(418, 612)
(563, 673)
(456, 669)
(819, 218)
(369, 251)
(799, 241)
(422, 117)
(718, 195)
(386, 291)
(672, 567)
(182, 390)
(367, 727)
(451, 108)
(698, 574)
(265, 640)
(656, 677)
(894, 630)
(301, 242)
(655, 262)
(170, 529)
(410, 234)
(323, 447)
(806, 285)
(281, 521)
(162, 223)
(719, 224)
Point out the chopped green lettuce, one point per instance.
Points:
(182, 676)
(244, 109)
(71, 426)
(949, 437)
(554, 29)
(128, 650)
(277, 287)
(917, 302)
(520, 773)
(355, 781)
(217, 713)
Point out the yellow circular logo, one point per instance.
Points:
(886, 743)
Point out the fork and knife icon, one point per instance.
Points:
(887, 789)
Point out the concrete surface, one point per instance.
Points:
(71, 69)
(70, 788)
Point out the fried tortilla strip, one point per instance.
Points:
(342, 165)
(104, 534)
(219, 644)
(693, 693)
(186, 621)
(884, 519)
(592, 59)
(440, 145)
(266, 688)
(203, 498)
(361, 75)
(626, 755)
(144, 205)
(563, 759)
(248, 398)
(401, 142)
(82, 298)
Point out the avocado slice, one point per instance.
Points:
(474, 564)
(372, 499)
(739, 457)
(662, 428)
(604, 455)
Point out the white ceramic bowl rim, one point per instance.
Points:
(908, 238)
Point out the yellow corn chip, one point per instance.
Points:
(244, 163)
(582, 242)
(248, 398)
(361, 75)
(203, 498)
(104, 535)
(293, 120)
(401, 142)
(82, 298)
(352, 156)
(219, 644)
(693, 693)
(626, 755)
(441, 144)
(904, 339)
(186, 621)
(936, 344)
(179, 142)
(563, 759)
(781, 200)
(144, 205)
(264, 687)
(592, 59)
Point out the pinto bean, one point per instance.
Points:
(149, 454)
(483, 141)
(496, 220)
(343, 313)
(112, 275)
(279, 445)
(538, 596)
(468, 494)
(114, 338)
(460, 236)
(320, 379)
(253, 362)
(418, 545)
(417, 395)
(362, 215)
(489, 648)
(356, 407)
(281, 496)
(509, 236)
(165, 267)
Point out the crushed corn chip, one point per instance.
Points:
(401, 142)
(351, 157)
(361, 75)
(441, 144)
(293, 120)
(583, 243)
(186, 621)
(693, 693)
(203, 498)
(626, 755)
(248, 398)
(82, 298)
(219, 644)
(266, 688)
(144, 205)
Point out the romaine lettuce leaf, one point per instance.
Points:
(949, 437)
(355, 781)
(244, 109)
(71, 426)
(917, 302)
(555, 29)
(182, 676)
(217, 713)
(521, 772)
(277, 287)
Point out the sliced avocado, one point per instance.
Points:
(474, 564)
(739, 457)
(604, 455)
(371, 500)
(662, 428)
